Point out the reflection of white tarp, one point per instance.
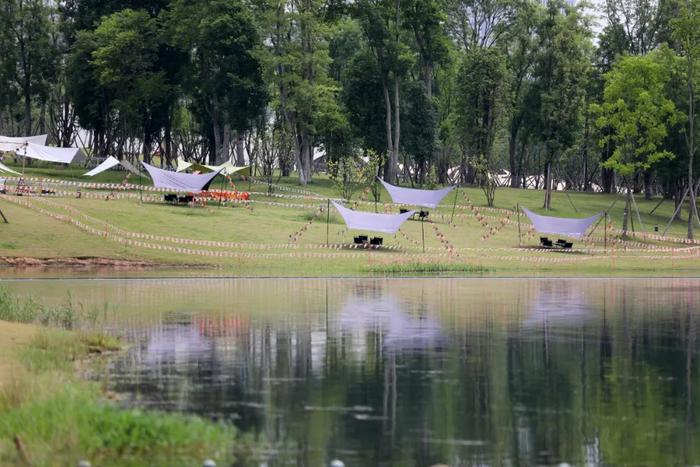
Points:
(106, 165)
(49, 153)
(360, 220)
(565, 303)
(6, 169)
(403, 331)
(415, 197)
(179, 181)
(11, 144)
(560, 225)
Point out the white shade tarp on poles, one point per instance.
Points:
(182, 164)
(6, 169)
(13, 143)
(179, 181)
(227, 168)
(49, 153)
(561, 225)
(106, 165)
(360, 220)
(416, 197)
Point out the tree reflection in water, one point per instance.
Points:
(418, 372)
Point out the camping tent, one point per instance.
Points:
(179, 181)
(560, 225)
(11, 144)
(415, 197)
(360, 220)
(49, 153)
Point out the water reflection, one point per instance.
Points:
(419, 372)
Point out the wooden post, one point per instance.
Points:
(520, 242)
(454, 205)
(328, 221)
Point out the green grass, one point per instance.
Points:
(424, 268)
(50, 417)
(265, 229)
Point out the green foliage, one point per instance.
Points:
(637, 113)
(66, 316)
(555, 97)
(346, 173)
(482, 86)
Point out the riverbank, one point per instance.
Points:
(289, 233)
(52, 416)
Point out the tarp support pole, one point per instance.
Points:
(140, 186)
(605, 234)
(454, 205)
(675, 213)
(328, 222)
(221, 191)
(422, 230)
(520, 242)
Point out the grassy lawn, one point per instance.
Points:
(274, 237)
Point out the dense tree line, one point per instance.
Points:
(471, 91)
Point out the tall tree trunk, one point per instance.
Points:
(648, 188)
(389, 167)
(397, 125)
(240, 150)
(512, 149)
(225, 150)
(547, 185)
(691, 145)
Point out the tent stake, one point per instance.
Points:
(3, 217)
(328, 221)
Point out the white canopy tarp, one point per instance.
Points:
(130, 167)
(11, 143)
(416, 197)
(227, 168)
(182, 164)
(6, 169)
(561, 225)
(360, 220)
(179, 181)
(49, 153)
(106, 165)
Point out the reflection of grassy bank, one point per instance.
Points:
(48, 416)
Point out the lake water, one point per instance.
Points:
(415, 371)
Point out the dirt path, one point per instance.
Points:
(12, 337)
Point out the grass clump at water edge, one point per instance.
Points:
(49, 416)
(423, 268)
